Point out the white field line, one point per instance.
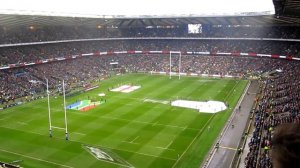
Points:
(132, 151)
(23, 131)
(101, 146)
(174, 126)
(167, 147)
(134, 139)
(130, 166)
(131, 142)
(57, 127)
(78, 133)
(40, 133)
(34, 158)
(164, 148)
(154, 124)
(143, 154)
(135, 121)
(22, 123)
(28, 121)
(206, 80)
(230, 92)
(193, 141)
(169, 144)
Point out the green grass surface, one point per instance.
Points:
(143, 134)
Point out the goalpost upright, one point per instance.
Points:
(65, 110)
(179, 63)
(49, 110)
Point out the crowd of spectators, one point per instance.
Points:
(81, 69)
(279, 103)
(12, 35)
(33, 53)
(284, 32)
(30, 80)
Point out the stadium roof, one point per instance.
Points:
(37, 13)
(137, 8)
(288, 8)
(39, 21)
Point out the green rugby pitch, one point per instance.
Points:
(142, 134)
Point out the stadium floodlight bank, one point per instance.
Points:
(65, 111)
(179, 63)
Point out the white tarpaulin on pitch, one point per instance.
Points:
(205, 107)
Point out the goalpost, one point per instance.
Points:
(65, 111)
(179, 63)
(49, 111)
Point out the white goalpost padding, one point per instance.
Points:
(179, 63)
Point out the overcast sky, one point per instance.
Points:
(137, 7)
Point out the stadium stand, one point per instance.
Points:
(52, 33)
(279, 103)
(32, 53)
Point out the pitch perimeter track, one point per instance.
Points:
(230, 137)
